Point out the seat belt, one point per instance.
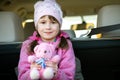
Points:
(103, 29)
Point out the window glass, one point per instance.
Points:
(69, 21)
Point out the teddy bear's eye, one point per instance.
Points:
(45, 51)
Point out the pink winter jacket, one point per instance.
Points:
(66, 68)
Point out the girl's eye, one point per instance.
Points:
(43, 22)
(53, 22)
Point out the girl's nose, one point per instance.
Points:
(48, 25)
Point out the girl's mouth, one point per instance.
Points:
(48, 32)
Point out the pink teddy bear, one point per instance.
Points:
(43, 52)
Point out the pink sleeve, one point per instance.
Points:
(23, 65)
(67, 65)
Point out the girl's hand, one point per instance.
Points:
(53, 65)
(35, 65)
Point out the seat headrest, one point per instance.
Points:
(71, 33)
(109, 15)
(10, 27)
(29, 29)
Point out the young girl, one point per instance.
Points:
(48, 21)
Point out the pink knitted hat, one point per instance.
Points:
(47, 7)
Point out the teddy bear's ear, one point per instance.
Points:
(36, 48)
(51, 48)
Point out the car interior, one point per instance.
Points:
(95, 39)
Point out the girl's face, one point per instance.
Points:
(48, 28)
